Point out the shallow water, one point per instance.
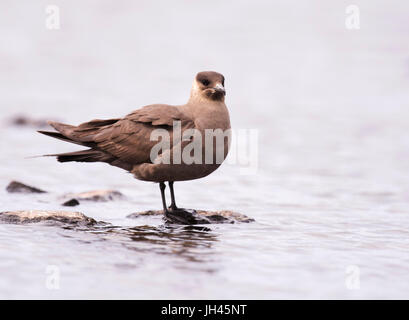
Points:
(332, 187)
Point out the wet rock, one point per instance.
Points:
(145, 214)
(31, 216)
(191, 217)
(71, 203)
(18, 187)
(96, 195)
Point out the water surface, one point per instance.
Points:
(332, 187)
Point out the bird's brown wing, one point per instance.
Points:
(120, 142)
(129, 139)
(159, 115)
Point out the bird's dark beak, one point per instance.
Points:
(219, 88)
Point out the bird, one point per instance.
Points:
(127, 142)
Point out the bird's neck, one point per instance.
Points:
(199, 106)
(208, 113)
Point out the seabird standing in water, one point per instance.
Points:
(127, 142)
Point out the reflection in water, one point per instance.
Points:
(192, 243)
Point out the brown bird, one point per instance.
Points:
(127, 142)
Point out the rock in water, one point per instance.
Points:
(71, 203)
(145, 214)
(96, 195)
(22, 120)
(30, 216)
(18, 187)
(191, 217)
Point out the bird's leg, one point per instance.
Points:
(180, 215)
(162, 187)
(172, 196)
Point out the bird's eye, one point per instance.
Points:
(205, 82)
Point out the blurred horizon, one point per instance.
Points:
(331, 106)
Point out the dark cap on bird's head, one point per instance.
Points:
(211, 85)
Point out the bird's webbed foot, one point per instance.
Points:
(184, 216)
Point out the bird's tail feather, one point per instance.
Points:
(82, 135)
(58, 135)
(89, 155)
(61, 127)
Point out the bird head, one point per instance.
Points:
(210, 85)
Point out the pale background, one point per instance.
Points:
(332, 109)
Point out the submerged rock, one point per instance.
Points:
(31, 216)
(18, 187)
(145, 214)
(71, 203)
(190, 217)
(26, 121)
(96, 195)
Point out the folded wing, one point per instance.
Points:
(120, 142)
